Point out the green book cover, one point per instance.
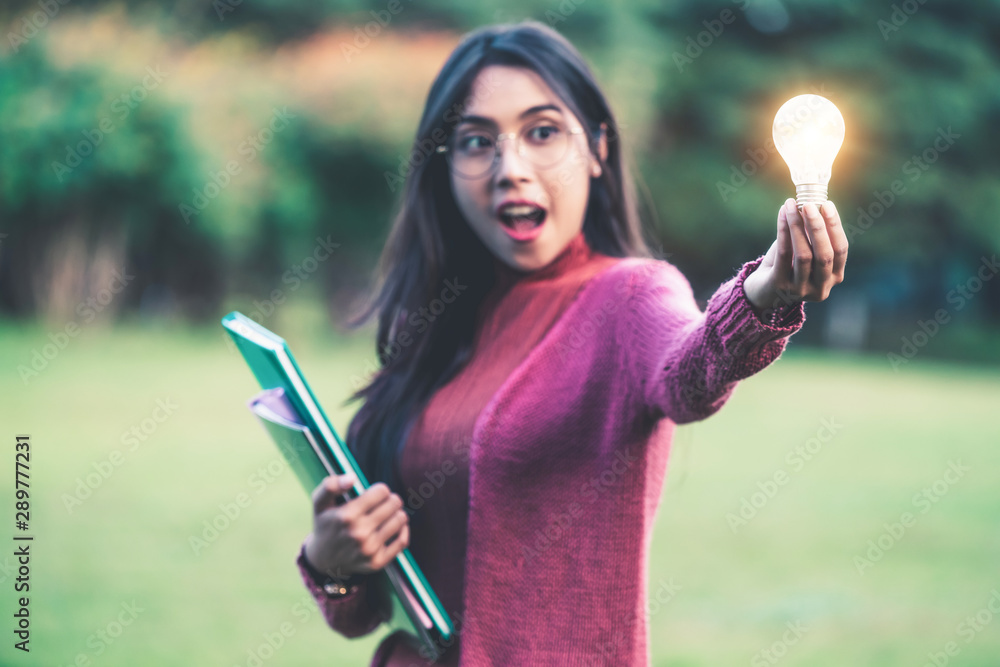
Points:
(289, 411)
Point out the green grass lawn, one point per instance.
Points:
(736, 590)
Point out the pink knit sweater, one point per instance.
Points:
(567, 464)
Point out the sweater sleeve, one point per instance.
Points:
(352, 615)
(685, 363)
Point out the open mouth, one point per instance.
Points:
(522, 217)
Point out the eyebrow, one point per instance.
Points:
(482, 120)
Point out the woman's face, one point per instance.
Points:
(531, 203)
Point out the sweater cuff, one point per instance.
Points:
(747, 342)
(780, 321)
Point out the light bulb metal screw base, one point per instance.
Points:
(810, 193)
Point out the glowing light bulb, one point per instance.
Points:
(808, 132)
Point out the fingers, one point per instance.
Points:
(400, 541)
(818, 248)
(822, 250)
(768, 259)
(376, 542)
(393, 549)
(783, 262)
(802, 253)
(838, 239)
(389, 509)
(372, 497)
(373, 519)
(328, 492)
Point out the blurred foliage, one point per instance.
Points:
(695, 84)
(83, 167)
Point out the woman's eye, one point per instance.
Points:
(472, 143)
(543, 133)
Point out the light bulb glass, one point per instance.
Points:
(808, 132)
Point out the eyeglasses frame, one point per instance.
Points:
(443, 148)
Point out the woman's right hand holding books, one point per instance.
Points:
(360, 535)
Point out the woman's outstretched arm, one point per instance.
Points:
(685, 363)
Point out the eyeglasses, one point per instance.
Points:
(473, 152)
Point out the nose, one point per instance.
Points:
(511, 167)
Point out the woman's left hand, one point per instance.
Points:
(805, 261)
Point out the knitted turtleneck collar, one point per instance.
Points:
(576, 253)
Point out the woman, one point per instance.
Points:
(535, 362)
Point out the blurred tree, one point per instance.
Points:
(695, 84)
(90, 177)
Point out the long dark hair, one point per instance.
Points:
(419, 346)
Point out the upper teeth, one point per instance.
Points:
(519, 209)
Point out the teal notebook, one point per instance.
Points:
(290, 413)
